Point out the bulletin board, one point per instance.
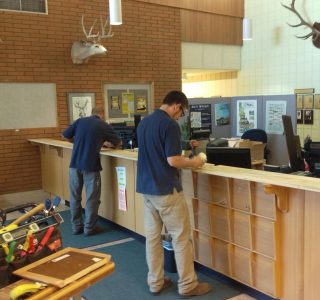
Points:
(123, 101)
(64, 267)
(28, 105)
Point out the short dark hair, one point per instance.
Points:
(97, 111)
(176, 97)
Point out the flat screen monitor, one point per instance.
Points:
(293, 145)
(227, 156)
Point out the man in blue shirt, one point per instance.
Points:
(88, 135)
(159, 158)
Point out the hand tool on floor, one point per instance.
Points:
(22, 290)
(24, 217)
(55, 203)
(47, 206)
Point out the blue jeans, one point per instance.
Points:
(92, 183)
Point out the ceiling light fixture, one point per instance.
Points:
(115, 12)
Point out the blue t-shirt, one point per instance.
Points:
(159, 137)
(88, 135)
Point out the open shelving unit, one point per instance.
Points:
(236, 231)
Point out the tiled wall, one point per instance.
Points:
(275, 62)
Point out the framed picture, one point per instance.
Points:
(317, 101)
(299, 102)
(308, 116)
(80, 105)
(299, 116)
(308, 101)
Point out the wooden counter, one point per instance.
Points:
(260, 228)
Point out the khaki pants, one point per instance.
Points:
(172, 211)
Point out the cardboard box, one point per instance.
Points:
(256, 148)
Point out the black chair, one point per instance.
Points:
(257, 135)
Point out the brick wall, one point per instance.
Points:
(36, 48)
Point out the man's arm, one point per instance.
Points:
(179, 161)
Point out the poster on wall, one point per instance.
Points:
(200, 116)
(127, 103)
(246, 115)
(141, 104)
(308, 116)
(222, 114)
(274, 111)
(299, 116)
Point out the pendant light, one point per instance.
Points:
(115, 12)
(247, 29)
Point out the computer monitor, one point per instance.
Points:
(293, 145)
(228, 156)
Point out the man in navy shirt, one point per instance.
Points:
(159, 158)
(88, 134)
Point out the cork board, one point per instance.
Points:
(28, 105)
(63, 267)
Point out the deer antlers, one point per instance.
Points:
(315, 33)
(98, 35)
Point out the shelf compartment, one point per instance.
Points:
(263, 233)
(219, 190)
(201, 214)
(202, 248)
(241, 264)
(263, 274)
(203, 187)
(220, 256)
(240, 194)
(240, 229)
(263, 204)
(219, 222)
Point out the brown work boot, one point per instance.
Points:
(201, 289)
(167, 282)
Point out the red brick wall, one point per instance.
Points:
(36, 48)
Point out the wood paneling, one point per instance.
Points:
(221, 7)
(202, 27)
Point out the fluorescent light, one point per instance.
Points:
(247, 29)
(115, 12)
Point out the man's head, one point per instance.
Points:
(97, 111)
(177, 103)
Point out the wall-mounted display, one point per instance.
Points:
(274, 111)
(317, 101)
(299, 116)
(246, 115)
(299, 104)
(123, 101)
(308, 116)
(80, 105)
(222, 114)
(308, 101)
(200, 116)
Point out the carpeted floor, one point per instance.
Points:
(109, 234)
(128, 282)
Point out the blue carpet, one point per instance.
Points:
(110, 233)
(129, 279)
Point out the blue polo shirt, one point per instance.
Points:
(88, 135)
(159, 137)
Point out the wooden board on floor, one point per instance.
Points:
(63, 267)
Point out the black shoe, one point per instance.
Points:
(167, 282)
(77, 231)
(95, 230)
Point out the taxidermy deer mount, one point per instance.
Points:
(82, 50)
(315, 27)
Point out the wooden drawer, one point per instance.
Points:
(201, 212)
(240, 194)
(220, 254)
(219, 222)
(263, 204)
(241, 264)
(263, 233)
(240, 229)
(220, 192)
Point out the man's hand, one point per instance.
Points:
(108, 145)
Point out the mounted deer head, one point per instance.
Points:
(315, 27)
(82, 50)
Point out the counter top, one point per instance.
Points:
(279, 179)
